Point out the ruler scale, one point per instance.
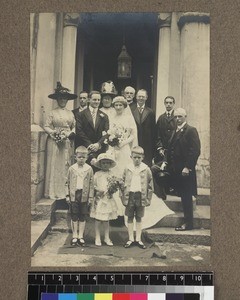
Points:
(104, 285)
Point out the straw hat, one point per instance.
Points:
(62, 93)
(103, 156)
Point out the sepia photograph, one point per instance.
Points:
(120, 139)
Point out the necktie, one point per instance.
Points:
(168, 115)
(94, 115)
(140, 110)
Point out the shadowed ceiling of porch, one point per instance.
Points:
(105, 33)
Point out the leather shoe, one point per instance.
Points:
(98, 243)
(74, 242)
(141, 245)
(184, 227)
(129, 244)
(108, 242)
(81, 242)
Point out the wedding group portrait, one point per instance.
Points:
(120, 139)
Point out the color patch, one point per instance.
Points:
(85, 296)
(121, 296)
(49, 297)
(155, 296)
(175, 297)
(67, 296)
(106, 296)
(138, 296)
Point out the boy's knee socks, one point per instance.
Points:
(74, 229)
(138, 231)
(130, 231)
(81, 229)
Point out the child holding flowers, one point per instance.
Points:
(104, 207)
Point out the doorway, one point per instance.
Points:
(104, 35)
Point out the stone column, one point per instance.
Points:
(164, 20)
(71, 21)
(195, 83)
(42, 64)
(42, 57)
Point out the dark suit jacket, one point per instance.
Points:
(133, 106)
(77, 141)
(146, 127)
(165, 128)
(183, 151)
(87, 133)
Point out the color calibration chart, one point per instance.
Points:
(120, 286)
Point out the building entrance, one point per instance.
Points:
(104, 36)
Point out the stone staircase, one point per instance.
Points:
(53, 216)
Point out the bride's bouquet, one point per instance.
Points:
(115, 135)
(59, 136)
(114, 184)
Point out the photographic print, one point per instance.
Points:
(120, 139)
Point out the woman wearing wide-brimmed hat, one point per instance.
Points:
(108, 92)
(60, 127)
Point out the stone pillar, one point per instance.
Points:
(42, 58)
(164, 20)
(42, 65)
(71, 21)
(195, 83)
(174, 61)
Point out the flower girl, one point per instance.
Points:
(104, 207)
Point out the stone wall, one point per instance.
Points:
(38, 145)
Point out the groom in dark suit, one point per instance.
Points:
(182, 156)
(90, 124)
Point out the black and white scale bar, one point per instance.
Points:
(119, 278)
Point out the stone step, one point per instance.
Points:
(175, 204)
(203, 197)
(169, 235)
(201, 218)
(43, 209)
(163, 234)
(39, 231)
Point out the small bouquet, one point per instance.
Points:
(115, 135)
(114, 184)
(59, 136)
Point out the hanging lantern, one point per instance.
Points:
(124, 64)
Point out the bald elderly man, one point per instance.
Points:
(129, 94)
(182, 156)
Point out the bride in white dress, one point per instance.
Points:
(124, 123)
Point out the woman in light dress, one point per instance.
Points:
(60, 127)
(125, 122)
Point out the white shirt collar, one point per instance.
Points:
(169, 112)
(85, 167)
(82, 108)
(92, 108)
(143, 106)
(141, 168)
(181, 126)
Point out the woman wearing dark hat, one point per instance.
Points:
(108, 92)
(60, 127)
